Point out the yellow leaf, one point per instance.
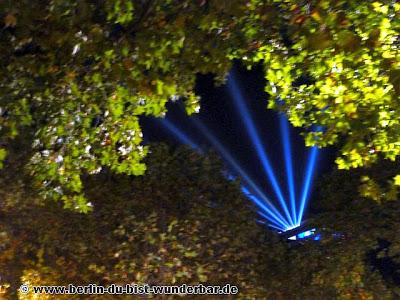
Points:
(397, 180)
(316, 16)
(10, 20)
(350, 108)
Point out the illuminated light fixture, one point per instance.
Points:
(305, 234)
(285, 135)
(317, 237)
(291, 228)
(252, 131)
(265, 204)
(300, 232)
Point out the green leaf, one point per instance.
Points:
(3, 155)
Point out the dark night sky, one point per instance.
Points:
(219, 114)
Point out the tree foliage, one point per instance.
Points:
(77, 75)
(182, 222)
(358, 255)
(340, 70)
(188, 224)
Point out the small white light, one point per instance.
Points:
(76, 49)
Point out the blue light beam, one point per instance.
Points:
(182, 137)
(252, 131)
(310, 170)
(275, 224)
(275, 227)
(255, 200)
(271, 210)
(285, 135)
(263, 205)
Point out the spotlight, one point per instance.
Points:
(301, 232)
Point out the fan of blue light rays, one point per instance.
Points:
(296, 214)
(293, 207)
(267, 209)
(266, 203)
(251, 129)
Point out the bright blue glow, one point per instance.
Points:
(292, 210)
(266, 205)
(274, 223)
(307, 182)
(182, 137)
(252, 131)
(275, 217)
(275, 227)
(291, 227)
(231, 177)
(306, 234)
(264, 222)
(285, 135)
